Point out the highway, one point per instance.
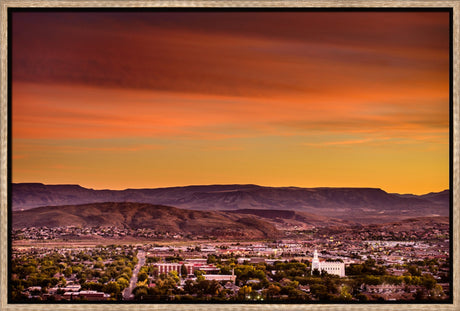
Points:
(128, 292)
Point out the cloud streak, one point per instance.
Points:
(63, 112)
(299, 54)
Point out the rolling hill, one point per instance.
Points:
(141, 215)
(289, 220)
(239, 224)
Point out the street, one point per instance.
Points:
(128, 292)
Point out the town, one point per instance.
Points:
(316, 267)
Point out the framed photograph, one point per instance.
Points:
(230, 155)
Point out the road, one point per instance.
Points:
(128, 292)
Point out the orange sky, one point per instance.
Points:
(153, 99)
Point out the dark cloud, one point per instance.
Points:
(232, 53)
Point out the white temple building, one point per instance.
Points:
(331, 267)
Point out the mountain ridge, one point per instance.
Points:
(344, 203)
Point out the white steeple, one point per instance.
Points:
(315, 262)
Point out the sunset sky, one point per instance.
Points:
(156, 99)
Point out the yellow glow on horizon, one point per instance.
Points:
(206, 148)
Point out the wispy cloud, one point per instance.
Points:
(64, 146)
(93, 113)
(340, 143)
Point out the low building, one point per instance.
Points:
(202, 261)
(90, 295)
(219, 277)
(384, 288)
(255, 260)
(168, 267)
(190, 267)
(72, 288)
(34, 288)
(94, 295)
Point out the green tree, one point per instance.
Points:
(243, 292)
(345, 293)
(62, 281)
(414, 270)
(68, 272)
(428, 282)
(112, 288)
(175, 276)
(272, 291)
(123, 283)
(211, 259)
(140, 292)
(183, 271)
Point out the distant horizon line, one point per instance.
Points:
(223, 184)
